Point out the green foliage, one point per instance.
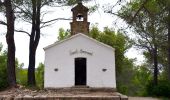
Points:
(94, 32)
(124, 67)
(134, 79)
(147, 22)
(1, 46)
(146, 19)
(115, 40)
(141, 78)
(70, 2)
(3, 69)
(162, 89)
(131, 79)
(93, 8)
(63, 34)
(73, 2)
(40, 76)
(125, 78)
(21, 75)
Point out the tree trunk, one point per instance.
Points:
(169, 44)
(37, 38)
(31, 66)
(155, 55)
(32, 53)
(11, 44)
(34, 41)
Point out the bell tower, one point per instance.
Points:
(79, 23)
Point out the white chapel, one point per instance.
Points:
(79, 60)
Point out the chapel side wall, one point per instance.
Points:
(59, 57)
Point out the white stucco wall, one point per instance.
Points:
(59, 56)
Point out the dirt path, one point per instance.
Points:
(143, 98)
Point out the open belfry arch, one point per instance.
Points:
(79, 60)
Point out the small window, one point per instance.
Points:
(80, 17)
(56, 69)
(104, 69)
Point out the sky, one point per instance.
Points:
(49, 34)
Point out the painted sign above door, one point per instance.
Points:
(81, 51)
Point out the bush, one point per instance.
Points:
(162, 89)
(21, 75)
(122, 89)
(3, 71)
(40, 76)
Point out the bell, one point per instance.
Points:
(80, 16)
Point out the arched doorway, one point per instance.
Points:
(80, 71)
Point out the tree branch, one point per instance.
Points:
(141, 7)
(21, 31)
(48, 3)
(53, 20)
(145, 35)
(3, 23)
(110, 12)
(23, 11)
(143, 46)
(46, 22)
(45, 25)
(1, 3)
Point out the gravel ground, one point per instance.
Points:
(143, 98)
(24, 91)
(56, 92)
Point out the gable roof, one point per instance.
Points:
(77, 35)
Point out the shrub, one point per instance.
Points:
(3, 79)
(3, 71)
(40, 76)
(21, 75)
(161, 89)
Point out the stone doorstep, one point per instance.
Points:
(80, 86)
(27, 97)
(81, 97)
(83, 89)
(64, 98)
